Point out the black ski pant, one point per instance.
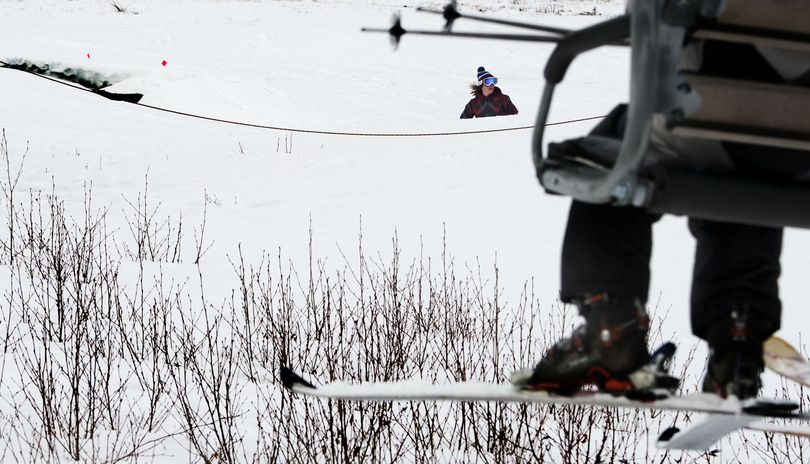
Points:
(608, 249)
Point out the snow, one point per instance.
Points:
(306, 65)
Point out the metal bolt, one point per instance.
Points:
(684, 87)
(620, 192)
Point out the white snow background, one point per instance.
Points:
(306, 65)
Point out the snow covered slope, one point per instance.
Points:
(306, 65)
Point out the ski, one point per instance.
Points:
(472, 391)
(723, 416)
(782, 358)
(784, 429)
(702, 434)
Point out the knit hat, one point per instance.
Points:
(483, 74)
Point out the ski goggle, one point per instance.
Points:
(490, 81)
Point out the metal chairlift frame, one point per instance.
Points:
(658, 30)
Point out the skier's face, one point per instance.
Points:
(488, 89)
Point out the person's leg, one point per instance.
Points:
(606, 249)
(735, 300)
(605, 272)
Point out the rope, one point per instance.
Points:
(308, 131)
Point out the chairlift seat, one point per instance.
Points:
(700, 137)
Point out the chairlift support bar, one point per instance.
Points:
(451, 14)
(611, 31)
(473, 35)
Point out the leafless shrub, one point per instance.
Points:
(9, 187)
(200, 245)
(71, 380)
(204, 371)
(143, 321)
(119, 8)
(157, 241)
(287, 143)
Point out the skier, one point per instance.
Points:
(735, 304)
(488, 99)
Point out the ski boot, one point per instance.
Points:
(735, 358)
(605, 351)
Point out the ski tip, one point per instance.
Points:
(667, 435)
(759, 407)
(776, 347)
(667, 350)
(290, 379)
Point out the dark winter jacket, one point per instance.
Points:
(497, 104)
